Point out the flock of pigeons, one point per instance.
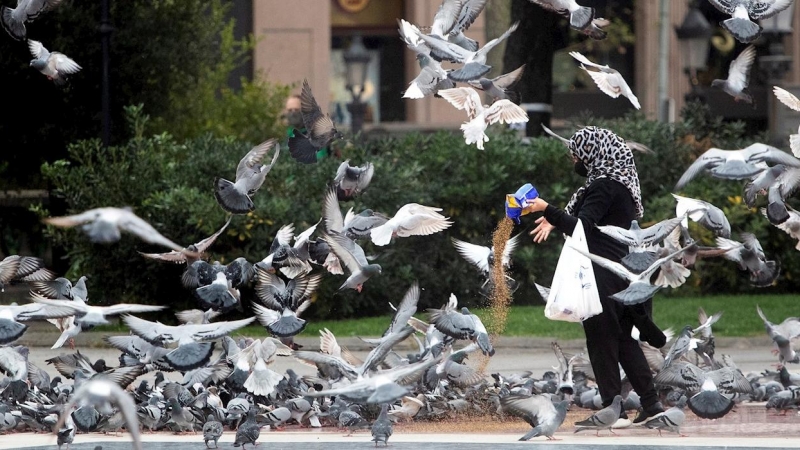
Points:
(234, 387)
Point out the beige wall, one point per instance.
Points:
(295, 43)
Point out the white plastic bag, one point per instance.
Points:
(573, 295)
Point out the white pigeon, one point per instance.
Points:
(54, 65)
(790, 100)
(13, 20)
(480, 115)
(104, 225)
(607, 79)
(739, 76)
(411, 220)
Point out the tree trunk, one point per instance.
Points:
(533, 44)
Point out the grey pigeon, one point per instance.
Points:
(351, 181)
(709, 403)
(278, 416)
(670, 420)
(103, 392)
(739, 76)
(382, 427)
(430, 80)
(352, 420)
(290, 258)
(104, 225)
(216, 285)
(461, 325)
(539, 411)
(750, 256)
(284, 300)
(248, 432)
(453, 18)
(54, 65)
(736, 164)
(66, 434)
(354, 226)
(499, 88)
(473, 62)
(234, 197)
(704, 213)
(13, 19)
(580, 17)
(760, 183)
(212, 431)
(782, 335)
(743, 13)
(640, 240)
(707, 321)
(784, 186)
(352, 256)
(408, 306)
(603, 419)
(320, 130)
(23, 268)
(183, 258)
(791, 225)
(183, 419)
(640, 289)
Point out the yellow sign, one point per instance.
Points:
(353, 6)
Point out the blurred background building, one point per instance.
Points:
(308, 39)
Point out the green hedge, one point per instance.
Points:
(169, 183)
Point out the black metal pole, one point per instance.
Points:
(105, 40)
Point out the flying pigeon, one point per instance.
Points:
(54, 65)
(216, 285)
(234, 197)
(354, 226)
(285, 301)
(739, 77)
(411, 219)
(736, 164)
(704, 213)
(104, 225)
(453, 18)
(791, 226)
(23, 268)
(750, 256)
(351, 181)
(461, 325)
(481, 116)
(320, 130)
(352, 256)
(790, 100)
(13, 20)
(407, 308)
(782, 335)
(499, 88)
(538, 410)
(580, 17)
(607, 79)
(744, 12)
(473, 61)
(182, 258)
(10, 317)
(640, 241)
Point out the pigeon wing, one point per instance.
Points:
(464, 98)
(505, 111)
(739, 72)
(63, 64)
(331, 212)
(787, 98)
(477, 255)
(255, 157)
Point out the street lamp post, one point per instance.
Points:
(694, 35)
(776, 62)
(356, 60)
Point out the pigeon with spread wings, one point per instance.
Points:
(234, 197)
(352, 256)
(410, 220)
(607, 79)
(739, 77)
(54, 65)
(180, 257)
(13, 19)
(481, 116)
(320, 130)
(743, 13)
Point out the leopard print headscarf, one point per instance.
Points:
(605, 155)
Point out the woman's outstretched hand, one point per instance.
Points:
(542, 230)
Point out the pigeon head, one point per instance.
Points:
(464, 310)
(38, 64)
(372, 269)
(718, 83)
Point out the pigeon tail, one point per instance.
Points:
(581, 18)
(216, 297)
(190, 356)
(262, 382)
(287, 326)
(382, 235)
(777, 213)
(743, 30)
(745, 96)
(413, 91)
(636, 293)
(10, 331)
(470, 71)
(474, 132)
(301, 148)
(230, 199)
(62, 339)
(14, 28)
(710, 405)
(535, 432)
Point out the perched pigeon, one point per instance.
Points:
(499, 88)
(607, 79)
(739, 76)
(782, 335)
(744, 12)
(410, 220)
(382, 427)
(539, 411)
(234, 197)
(603, 419)
(670, 420)
(54, 65)
(212, 431)
(736, 164)
(320, 130)
(580, 17)
(183, 258)
(351, 181)
(13, 20)
(481, 116)
(104, 225)
(352, 256)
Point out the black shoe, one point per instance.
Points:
(646, 413)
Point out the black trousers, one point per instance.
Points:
(609, 343)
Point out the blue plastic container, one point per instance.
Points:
(516, 202)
